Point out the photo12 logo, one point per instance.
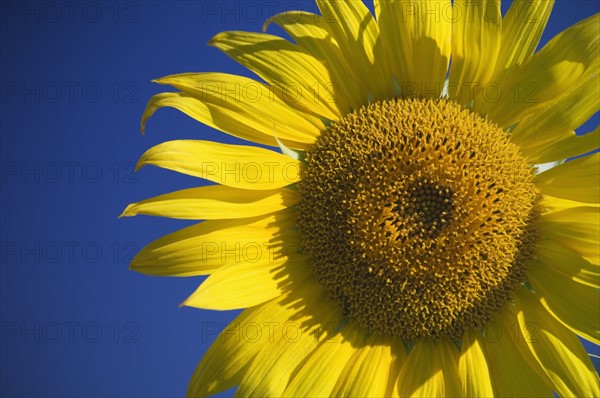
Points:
(245, 11)
(66, 252)
(69, 172)
(71, 92)
(69, 332)
(69, 12)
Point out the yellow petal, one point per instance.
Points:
(574, 305)
(313, 33)
(476, 30)
(238, 105)
(231, 119)
(431, 370)
(266, 273)
(419, 378)
(250, 334)
(569, 57)
(221, 366)
(318, 376)
(568, 145)
(557, 349)
(205, 247)
(576, 228)
(246, 97)
(575, 180)
(416, 37)
(522, 29)
(511, 372)
(215, 202)
(237, 166)
(357, 34)
(473, 369)
(448, 355)
(551, 204)
(398, 359)
(557, 118)
(293, 339)
(568, 263)
(366, 373)
(297, 78)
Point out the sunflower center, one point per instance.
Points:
(419, 217)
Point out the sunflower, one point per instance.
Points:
(419, 217)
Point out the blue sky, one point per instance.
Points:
(75, 78)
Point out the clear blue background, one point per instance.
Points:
(75, 77)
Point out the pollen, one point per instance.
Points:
(419, 217)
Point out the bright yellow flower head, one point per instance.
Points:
(404, 241)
